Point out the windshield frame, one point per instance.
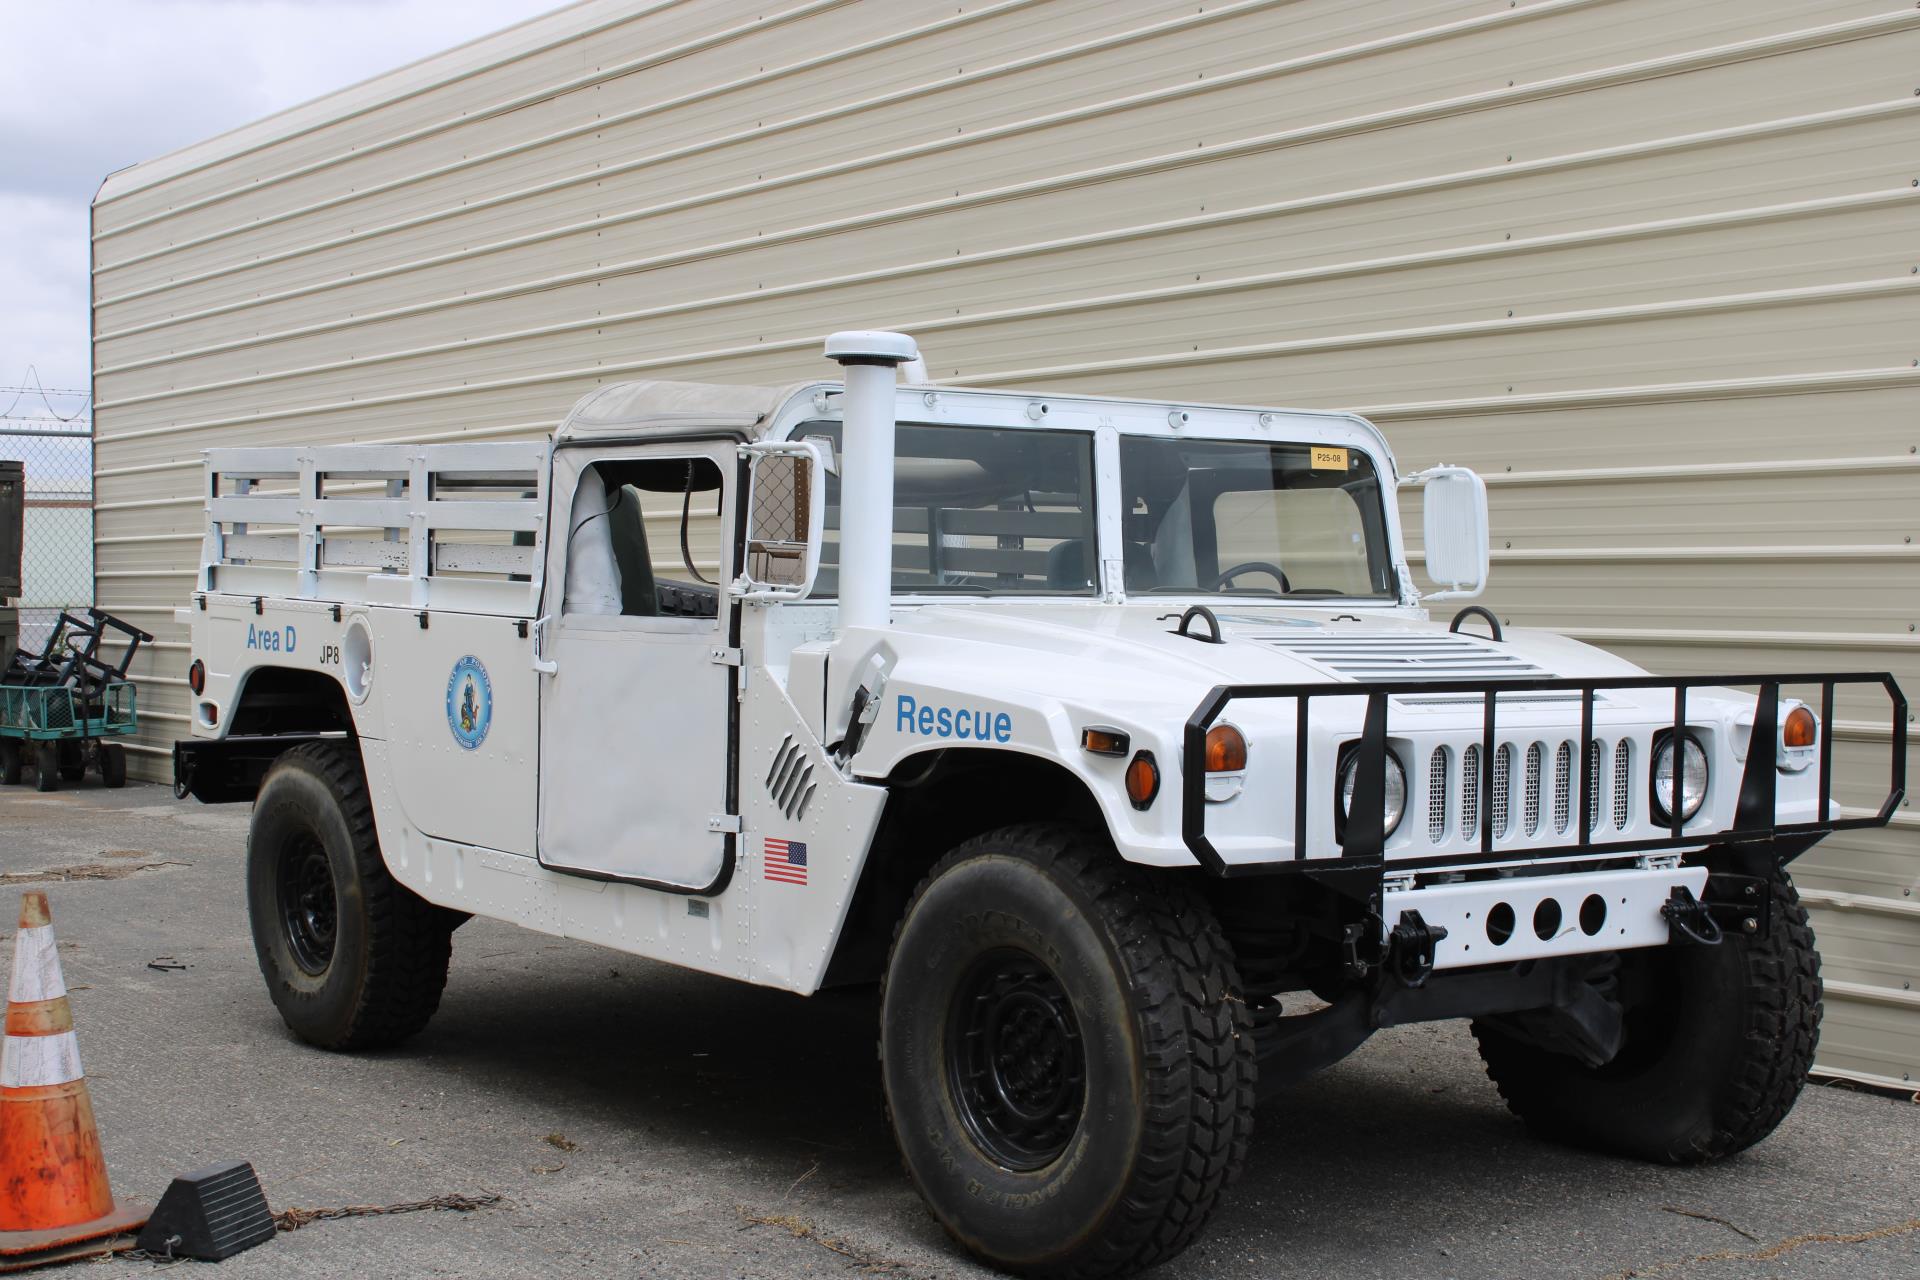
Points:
(1109, 420)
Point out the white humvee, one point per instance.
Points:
(1111, 736)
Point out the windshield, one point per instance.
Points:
(979, 511)
(1245, 518)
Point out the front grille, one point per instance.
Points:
(1609, 794)
(1563, 787)
(1531, 804)
(1437, 796)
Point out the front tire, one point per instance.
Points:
(9, 762)
(352, 958)
(1717, 1048)
(1067, 1062)
(46, 766)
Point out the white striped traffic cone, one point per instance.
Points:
(53, 1179)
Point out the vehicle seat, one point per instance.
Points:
(628, 528)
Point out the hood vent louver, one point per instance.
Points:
(1390, 659)
(1406, 657)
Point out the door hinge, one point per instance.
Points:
(728, 822)
(725, 657)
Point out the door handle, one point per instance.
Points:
(545, 666)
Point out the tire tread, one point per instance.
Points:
(409, 940)
(1781, 975)
(1197, 1039)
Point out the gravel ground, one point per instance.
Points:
(637, 1120)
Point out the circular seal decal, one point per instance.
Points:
(469, 702)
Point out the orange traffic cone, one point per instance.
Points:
(54, 1199)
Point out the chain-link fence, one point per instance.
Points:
(56, 560)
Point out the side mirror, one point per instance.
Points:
(1457, 532)
(784, 521)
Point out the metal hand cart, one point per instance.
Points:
(62, 707)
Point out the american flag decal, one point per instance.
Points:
(785, 861)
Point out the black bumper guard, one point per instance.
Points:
(1363, 848)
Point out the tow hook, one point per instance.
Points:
(1690, 919)
(1411, 946)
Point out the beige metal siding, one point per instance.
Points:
(1647, 265)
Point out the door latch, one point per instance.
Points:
(545, 666)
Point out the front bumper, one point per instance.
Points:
(1356, 862)
(1509, 919)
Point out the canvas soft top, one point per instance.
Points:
(627, 409)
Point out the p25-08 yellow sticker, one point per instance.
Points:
(1328, 458)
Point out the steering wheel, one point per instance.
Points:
(1253, 566)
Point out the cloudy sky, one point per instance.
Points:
(88, 86)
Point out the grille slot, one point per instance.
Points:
(790, 781)
(1596, 759)
(1563, 787)
(1437, 795)
(1502, 797)
(1470, 792)
(1531, 805)
(1622, 760)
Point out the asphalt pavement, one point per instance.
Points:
(637, 1120)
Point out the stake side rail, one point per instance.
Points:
(1363, 844)
(454, 526)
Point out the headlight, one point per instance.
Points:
(1693, 779)
(1396, 808)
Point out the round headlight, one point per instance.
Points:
(1396, 807)
(1693, 779)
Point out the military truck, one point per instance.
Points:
(1111, 737)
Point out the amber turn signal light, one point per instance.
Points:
(1226, 749)
(197, 676)
(1143, 780)
(1104, 742)
(1800, 729)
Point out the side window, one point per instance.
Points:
(980, 511)
(644, 539)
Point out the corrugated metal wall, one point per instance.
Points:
(1649, 265)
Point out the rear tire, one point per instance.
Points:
(113, 765)
(1067, 1060)
(1716, 1051)
(73, 761)
(46, 766)
(9, 762)
(352, 958)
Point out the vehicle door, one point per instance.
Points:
(637, 700)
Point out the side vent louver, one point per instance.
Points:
(790, 781)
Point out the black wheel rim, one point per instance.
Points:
(1016, 1065)
(309, 914)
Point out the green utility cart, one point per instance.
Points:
(62, 708)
